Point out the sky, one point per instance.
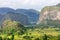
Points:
(28, 4)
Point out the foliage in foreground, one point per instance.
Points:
(12, 30)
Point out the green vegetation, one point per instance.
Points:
(12, 30)
(50, 8)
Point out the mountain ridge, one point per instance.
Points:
(30, 13)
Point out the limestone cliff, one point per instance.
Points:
(49, 13)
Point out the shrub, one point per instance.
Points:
(58, 37)
(37, 39)
(8, 39)
(12, 37)
(27, 38)
(0, 38)
(45, 37)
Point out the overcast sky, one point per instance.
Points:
(28, 4)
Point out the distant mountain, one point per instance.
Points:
(30, 14)
(58, 5)
(4, 10)
(23, 19)
(1, 16)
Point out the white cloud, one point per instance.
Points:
(34, 4)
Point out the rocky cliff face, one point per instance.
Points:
(49, 13)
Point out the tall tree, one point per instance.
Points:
(10, 26)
